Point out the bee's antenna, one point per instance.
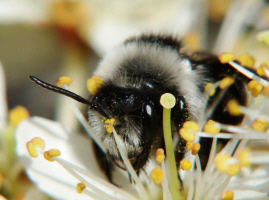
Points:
(59, 90)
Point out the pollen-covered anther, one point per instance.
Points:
(195, 149)
(226, 57)
(157, 175)
(227, 195)
(17, 114)
(187, 135)
(263, 36)
(209, 90)
(233, 169)
(94, 83)
(191, 125)
(226, 82)
(260, 125)
(109, 123)
(168, 100)
(221, 162)
(244, 157)
(185, 164)
(212, 127)
(246, 60)
(255, 88)
(233, 108)
(261, 69)
(160, 155)
(50, 154)
(80, 187)
(63, 80)
(189, 145)
(33, 146)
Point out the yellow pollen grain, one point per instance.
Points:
(225, 82)
(157, 175)
(191, 125)
(212, 127)
(17, 114)
(80, 187)
(189, 145)
(94, 83)
(185, 164)
(63, 80)
(195, 149)
(233, 108)
(246, 60)
(265, 91)
(109, 123)
(227, 195)
(233, 169)
(244, 157)
(263, 36)
(221, 162)
(168, 100)
(33, 145)
(50, 154)
(226, 57)
(208, 89)
(187, 135)
(160, 155)
(256, 90)
(260, 71)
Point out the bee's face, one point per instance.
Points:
(136, 122)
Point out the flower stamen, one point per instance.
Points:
(33, 146)
(51, 154)
(94, 83)
(64, 80)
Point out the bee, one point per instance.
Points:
(135, 75)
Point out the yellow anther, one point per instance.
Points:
(160, 155)
(225, 82)
(157, 175)
(50, 154)
(260, 71)
(208, 89)
(263, 36)
(246, 60)
(226, 57)
(109, 123)
(251, 85)
(244, 157)
(63, 80)
(233, 169)
(187, 135)
(17, 114)
(233, 108)
(256, 90)
(168, 100)
(189, 145)
(212, 127)
(191, 125)
(195, 149)
(80, 187)
(260, 125)
(221, 162)
(265, 91)
(227, 195)
(33, 146)
(94, 83)
(185, 164)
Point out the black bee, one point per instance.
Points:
(134, 77)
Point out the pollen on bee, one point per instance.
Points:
(225, 82)
(227, 195)
(212, 127)
(94, 83)
(185, 164)
(33, 146)
(157, 175)
(80, 187)
(109, 123)
(50, 154)
(246, 60)
(17, 114)
(160, 155)
(226, 57)
(63, 80)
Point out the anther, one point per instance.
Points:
(80, 187)
(225, 82)
(17, 114)
(233, 108)
(212, 127)
(195, 149)
(157, 175)
(226, 57)
(160, 155)
(33, 146)
(227, 195)
(246, 60)
(208, 89)
(50, 154)
(63, 80)
(94, 83)
(185, 164)
(109, 123)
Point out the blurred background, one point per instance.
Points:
(49, 39)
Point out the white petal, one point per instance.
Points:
(50, 177)
(249, 195)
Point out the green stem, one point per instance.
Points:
(174, 184)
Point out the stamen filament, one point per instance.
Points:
(166, 191)
(191, 185)
(242, 135)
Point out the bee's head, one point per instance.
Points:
(137, 122)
